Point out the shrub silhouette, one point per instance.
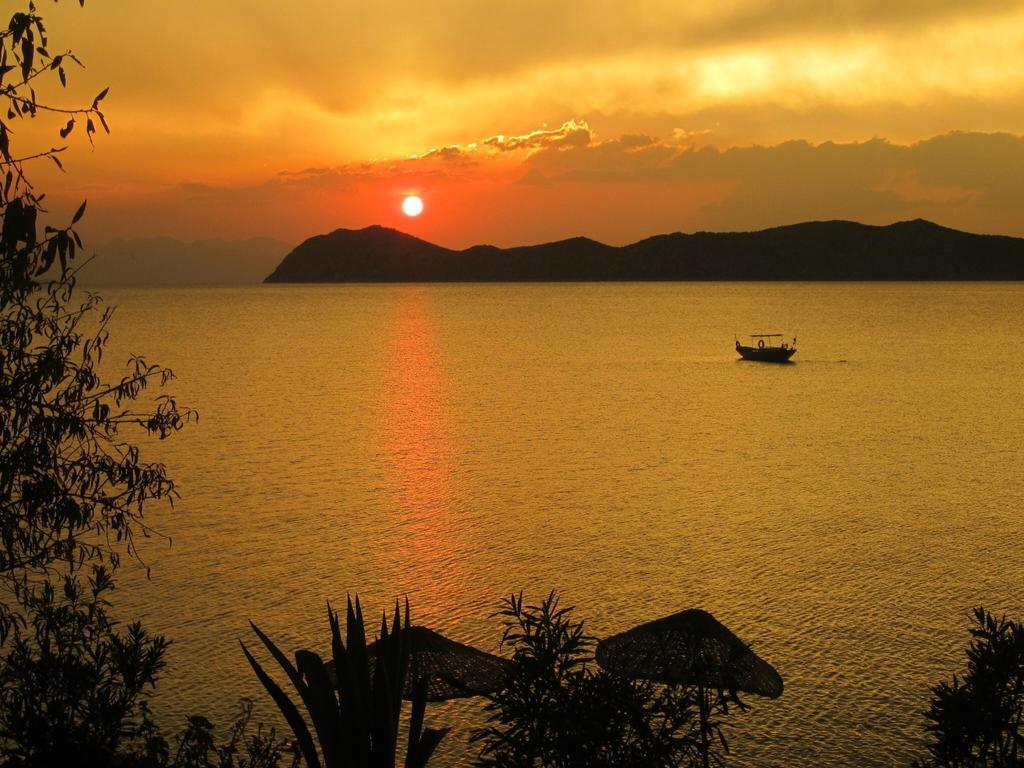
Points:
(559, 710)
(975, 720)
(71, 692)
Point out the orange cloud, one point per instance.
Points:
(570, 134)
(562, 182)
(242, 95)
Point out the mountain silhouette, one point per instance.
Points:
(818, 250)
(167, 261)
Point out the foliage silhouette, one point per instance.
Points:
(196, 746)
(71, 693)
(75, 692)
(72, 490)
(976, 721)
(558, 710)
(357, 723)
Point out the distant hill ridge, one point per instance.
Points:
(167, 261)
(817, 250)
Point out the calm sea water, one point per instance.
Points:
(457, 443)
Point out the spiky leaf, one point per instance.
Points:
(288, 709)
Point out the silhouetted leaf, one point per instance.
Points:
(321, 703)
(429, 742)
(79, 213)
(18, 25)
(27, 55)
(291, 714)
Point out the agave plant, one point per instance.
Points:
(356, 723)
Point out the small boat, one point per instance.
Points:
(766, 348)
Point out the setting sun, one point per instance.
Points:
(412, 206)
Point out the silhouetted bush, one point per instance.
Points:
(70, 689)
(975, 720)
(73, 489)
(74, 690)
(197, 747)
(559, 710)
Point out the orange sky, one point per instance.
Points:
(529, 121)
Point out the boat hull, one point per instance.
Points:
(766, 354)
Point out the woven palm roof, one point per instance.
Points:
(452, 670)
(689, 647)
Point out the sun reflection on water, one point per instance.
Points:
(418, 443)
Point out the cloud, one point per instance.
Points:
(750, 21)
(450, 154)
(992, 165)
(342, 52)
(338, 82)
(552, 183)
(306, 172)
(951, 176)
(570, 134)
(982, 160)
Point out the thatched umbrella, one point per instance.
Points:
(691, 648)
(452, 670)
